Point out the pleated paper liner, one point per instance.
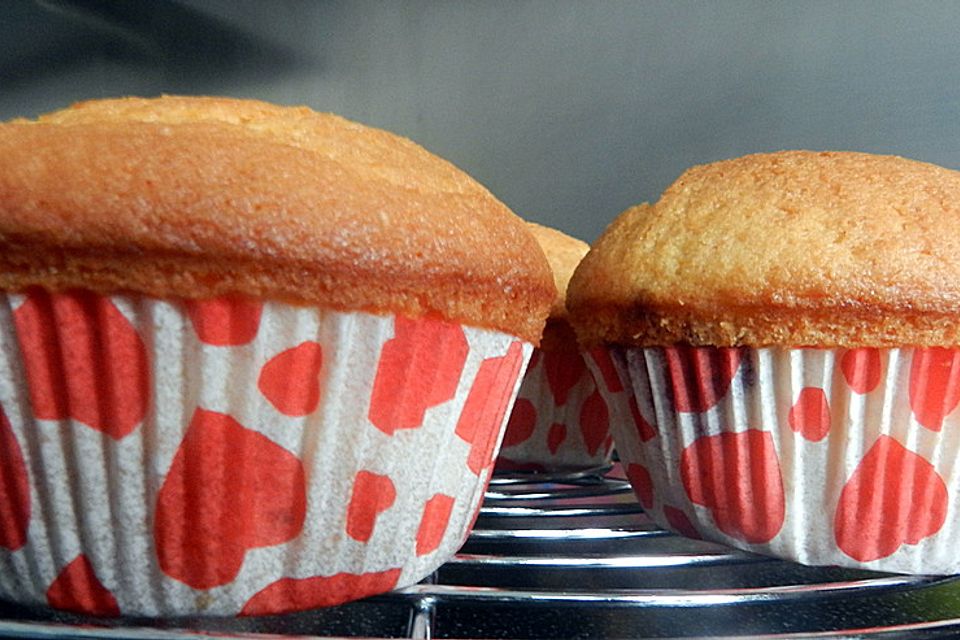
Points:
(560, 421)
(231, 457)
(821, 456)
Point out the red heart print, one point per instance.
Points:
(227, 321)
(486, 405)
(433, 523)
(894, 497)
(646, 430)
(594, 421)
(83, 360)
(700, 376)
(604, 361)
(14, 489)
(810, 414)
(419, 368)
(290, 380)
(555, 436)
(299, 594)
(642, 484)
(680, 523)
(78, 589)
(737, 477)
(228, 490)
(934, 385)
(523, 420)
(372, 495)
(862, 369)
(563, 370)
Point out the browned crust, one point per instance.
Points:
(737, 326)
(563, 253)
(830, 249)
(197, 197)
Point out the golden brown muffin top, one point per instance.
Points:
(197, 197)
(563, 253)
(795, 248)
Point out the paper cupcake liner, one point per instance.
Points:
(236, 458)
(821, 456)
(560, 421)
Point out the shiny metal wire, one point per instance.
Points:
(574, 555)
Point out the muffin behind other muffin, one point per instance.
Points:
(560, 421)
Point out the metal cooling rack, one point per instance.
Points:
(575, 556)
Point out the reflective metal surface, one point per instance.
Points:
(575, 556)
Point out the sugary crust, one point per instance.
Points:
(197, 197)
(797, 248)
(563, 253)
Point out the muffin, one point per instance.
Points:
(560, 421)
(255, 358)
(787, 326)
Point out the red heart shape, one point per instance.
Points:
(372, 495)
(894, 497)
(700, 376)
(290, 380)
(563, 370)
(419, 368)
(604, 361)
(433, 523)
(14, 489)
(737, 477)
(225, 321)
(78, 589)
(84, 360)
(228, 490)
(300, 594)
(645, 430)
(594, 421)
(486, 405)
(680, 523)
(934, 385)
(523, 420)
(642, 484)
(862, 369)
(810, 414)
(556, 436)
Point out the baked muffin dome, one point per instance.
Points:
(199, 197)
(795, 248)
(559, 422)
(563, 253)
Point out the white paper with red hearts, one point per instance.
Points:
(560, 421)
(231, 457)
(822, 456)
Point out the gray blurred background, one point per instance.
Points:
(568, 111)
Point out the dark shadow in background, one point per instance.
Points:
(177, 45)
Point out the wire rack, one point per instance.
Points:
(568, 556)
